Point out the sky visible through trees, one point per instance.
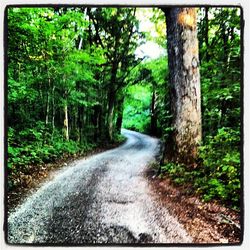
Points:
(77, 75)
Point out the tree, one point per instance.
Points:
(116, 32)
(220, 57)
(184, 80)
(67, 83)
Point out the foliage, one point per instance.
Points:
(136, 115)
(150, 76)
(221, 160)
(59, 82)
(220, 152)
(218, 175)
(32, 147)
(220, 69)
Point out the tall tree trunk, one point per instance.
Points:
(66, 122)
(206, 33)
(111, 107)
(80, 44)
(223, 106)
(47, 110)
(81, 113)
(53, 108)
(102, 124)
(184, 79)
(112, 100)
(153, 122)
(95, 120)
(119, 114)
(48, 106)
(89, 28)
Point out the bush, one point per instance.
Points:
(218, 174)
(221, 162)
(36, 146)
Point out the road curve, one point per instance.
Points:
(102, 199)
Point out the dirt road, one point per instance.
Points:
(102, 199)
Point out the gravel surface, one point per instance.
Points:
(104, 199)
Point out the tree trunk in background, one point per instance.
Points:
(111, 107)
(153, 122)
(111, 101)
(206, 33)
(184, 79)
(119, 115)
(53, 108)
(47, 110)
(48, 106)
(95, 120)
(66, 122)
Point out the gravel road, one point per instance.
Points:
(102, 199)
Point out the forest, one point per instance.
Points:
(77, 75)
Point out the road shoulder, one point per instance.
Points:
(207, 222)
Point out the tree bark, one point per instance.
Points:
(184, 80)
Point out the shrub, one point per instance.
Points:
(218, 174)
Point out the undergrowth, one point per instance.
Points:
(37, 146)
(218, 173)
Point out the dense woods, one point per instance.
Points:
(75, 78)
